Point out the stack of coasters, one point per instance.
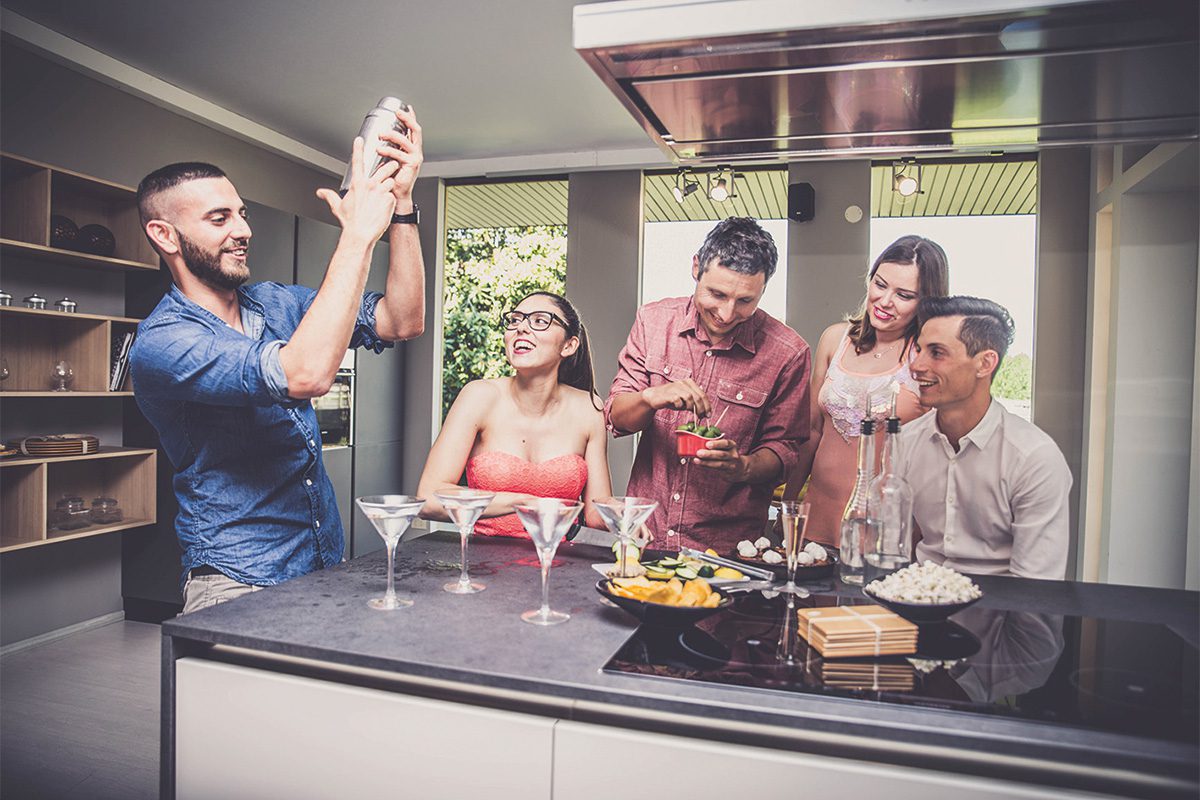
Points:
(857, 631)
(870, 675)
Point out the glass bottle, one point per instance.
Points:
(889, 545)
(857, 520)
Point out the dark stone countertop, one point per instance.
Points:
(475, 648)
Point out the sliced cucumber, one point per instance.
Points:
(670, 563)
(659, 574)
(686, 574)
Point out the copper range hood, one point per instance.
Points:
(751, 80)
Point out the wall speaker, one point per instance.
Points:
(802, 202)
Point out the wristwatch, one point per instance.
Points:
(412, 218)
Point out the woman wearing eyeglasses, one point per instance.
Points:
(539, 433)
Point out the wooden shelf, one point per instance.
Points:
(63, 315)
(106, 451)
(72, 257)
(30, 485)
(83, 533)
(65, 394)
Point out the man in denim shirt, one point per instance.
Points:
(225, 372)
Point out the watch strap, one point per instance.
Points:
(412, 218)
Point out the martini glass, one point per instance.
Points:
(623, 516)
(794, 516)
(391, 514)
(464, 506)
(547, 519)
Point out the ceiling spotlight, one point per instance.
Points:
(906, 178)
(684, 185)
(721, 189)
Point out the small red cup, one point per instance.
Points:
(689, 444)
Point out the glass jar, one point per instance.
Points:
(106, 511)
(69, 514)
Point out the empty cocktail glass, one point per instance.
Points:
(391, 514)
(464, 506)
(623, 516)
(547, 519)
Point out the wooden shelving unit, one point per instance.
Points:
(35, 340)
(29, 486)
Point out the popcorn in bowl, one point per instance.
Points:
(927, 584)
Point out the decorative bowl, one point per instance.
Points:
(662, 615)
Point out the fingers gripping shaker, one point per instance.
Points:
(381, 118)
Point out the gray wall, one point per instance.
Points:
(1064, 197)
(828, 256)
(51, 114)
(604, 229)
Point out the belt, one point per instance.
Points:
(205, 569)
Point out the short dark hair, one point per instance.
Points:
(740, 244)
(986, 325)
(168, 177)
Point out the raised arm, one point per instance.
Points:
(401, 312)
(310, 359)
(816, 420)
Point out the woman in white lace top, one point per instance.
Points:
(858, 362)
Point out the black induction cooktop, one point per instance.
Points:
(1100, 674)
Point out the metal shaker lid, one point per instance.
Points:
(35, 300)
(65, 304)
(392, 104)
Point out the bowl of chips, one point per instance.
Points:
(664, 604)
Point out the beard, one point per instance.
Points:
(206, 265)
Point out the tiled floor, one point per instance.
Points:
(79, 716)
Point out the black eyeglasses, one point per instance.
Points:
(538, 320)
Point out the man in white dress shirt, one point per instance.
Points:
(990, 489)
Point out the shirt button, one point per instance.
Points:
(709, 354)
(738, 396)
(670, 532)
(308, 481)
(666, 369)
(317, 523)
(683, 461)
(312, 442)
(675, 496)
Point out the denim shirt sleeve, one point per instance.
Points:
(364, 330)
(187, 360)
(273, 373)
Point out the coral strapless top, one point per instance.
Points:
(563, 477)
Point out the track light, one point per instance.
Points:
(906, 178)
(684, 185)
(721, 189)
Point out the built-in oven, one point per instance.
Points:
(335, 408)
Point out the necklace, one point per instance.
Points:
(879, 353)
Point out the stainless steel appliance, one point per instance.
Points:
(335, 409)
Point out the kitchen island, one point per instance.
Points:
(301, 690)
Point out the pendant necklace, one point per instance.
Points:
(892, 346)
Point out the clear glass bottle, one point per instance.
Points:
(889, 545)
(857, 520)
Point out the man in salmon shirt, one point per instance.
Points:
(713, 355)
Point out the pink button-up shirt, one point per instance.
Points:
(760, 374)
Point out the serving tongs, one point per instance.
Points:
(754, 572)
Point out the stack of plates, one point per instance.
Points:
(857, 631)
(59, 444)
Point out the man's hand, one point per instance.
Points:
(407, 152)
(366, 210)
(722, 456)
(684, 394)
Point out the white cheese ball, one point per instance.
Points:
(762, 543)
(815, 550)
(771, 557)
(746, 550)
(804, 558)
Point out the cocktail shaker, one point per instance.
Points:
(381, 118)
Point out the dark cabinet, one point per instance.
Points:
(339, 463)
(315, 243)
(272, 245)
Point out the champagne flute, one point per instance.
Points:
(623, 516)
(391, 515)
(794, 518)
(786, 650)
(464, 507)
(547, 519)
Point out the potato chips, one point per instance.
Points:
(694, 593)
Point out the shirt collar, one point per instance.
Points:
(253, 313)
(983, 431)
(744, 335)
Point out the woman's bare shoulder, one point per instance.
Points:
(830, 338)
(480, 394)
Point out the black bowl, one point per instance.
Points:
(812, 572)
(919, 613)
(661, 615)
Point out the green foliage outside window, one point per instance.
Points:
(488, 271)
(1014, 381)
